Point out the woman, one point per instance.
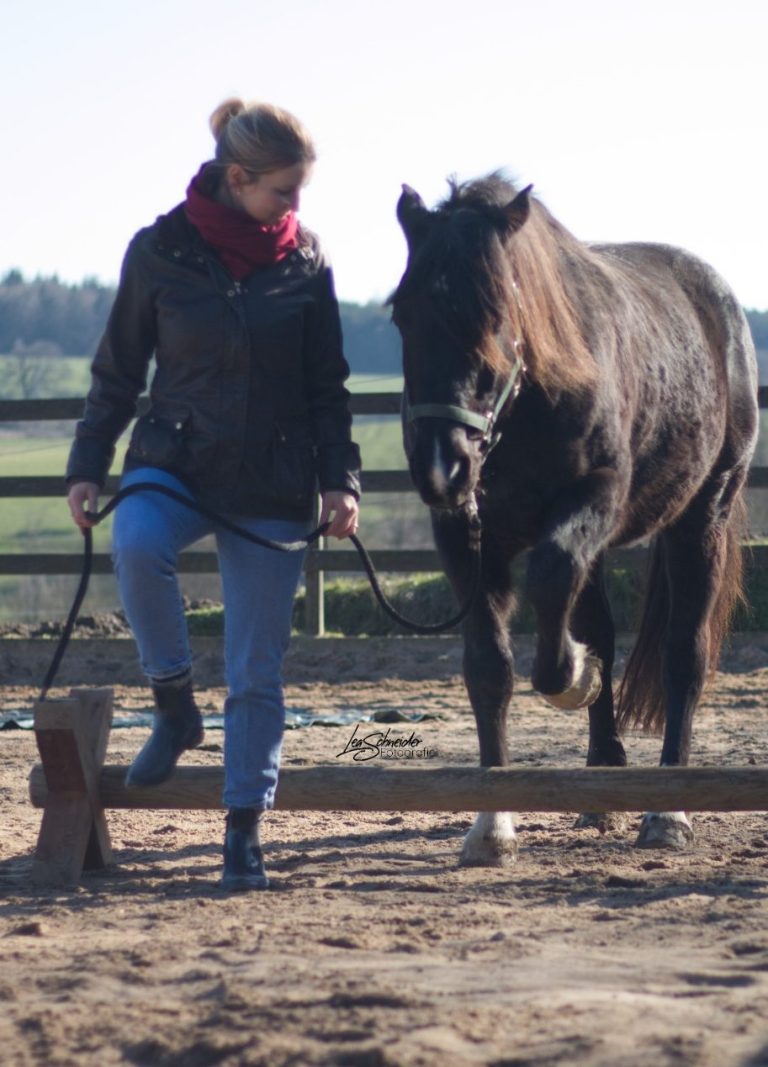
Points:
(249, 414)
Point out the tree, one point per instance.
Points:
(33, 371)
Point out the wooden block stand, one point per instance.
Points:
(72, 736)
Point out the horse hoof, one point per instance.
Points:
(605, 822)
(584, 691)
(491, 842)
(665, 830)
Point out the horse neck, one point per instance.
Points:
(544, 266)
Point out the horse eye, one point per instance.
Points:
(485, 381)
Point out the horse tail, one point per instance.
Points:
(730, 594)
(640, 698)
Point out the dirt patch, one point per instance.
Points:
(373, 947)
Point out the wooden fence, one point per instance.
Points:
(319, 559)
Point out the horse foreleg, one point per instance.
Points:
(489, 678)
(593, 625)
(492, 841)
(566, 671)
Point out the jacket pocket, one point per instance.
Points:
(293, 469)
(158, 440)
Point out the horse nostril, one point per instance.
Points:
(455, 472)
(441, 465)
(447, 479)
(459, 472)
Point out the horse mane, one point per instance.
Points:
(525, 278)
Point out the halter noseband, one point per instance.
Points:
(485, 423)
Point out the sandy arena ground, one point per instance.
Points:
(372, 948)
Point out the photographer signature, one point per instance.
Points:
(381, 743)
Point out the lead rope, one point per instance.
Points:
(474, 528)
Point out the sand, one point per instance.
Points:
(372, 947)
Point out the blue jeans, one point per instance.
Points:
(258, 585)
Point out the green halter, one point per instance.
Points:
(485, 423)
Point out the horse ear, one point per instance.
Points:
(412, 213)
(518, 210)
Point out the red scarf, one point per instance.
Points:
(241, 242)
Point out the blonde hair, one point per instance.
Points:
(259, 137)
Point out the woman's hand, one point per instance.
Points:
(84, 493)
(341, 509)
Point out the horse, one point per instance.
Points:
(576, 397)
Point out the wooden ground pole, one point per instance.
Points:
(72, 736)
(369, 788)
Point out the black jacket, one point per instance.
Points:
(248, 406)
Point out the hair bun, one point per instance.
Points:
(228, 109)
(259, 137)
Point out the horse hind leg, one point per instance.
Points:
(670, 830)
(684, 664)
(704, 573)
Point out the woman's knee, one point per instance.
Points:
(138, 547)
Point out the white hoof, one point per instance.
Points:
(665, 829)
(492, 841)
(585, 689)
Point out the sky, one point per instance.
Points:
(634, 121)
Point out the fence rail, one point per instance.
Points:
(319, 559)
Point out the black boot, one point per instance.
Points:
(243, 861)
(178, 726)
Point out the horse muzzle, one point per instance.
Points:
(444, 463)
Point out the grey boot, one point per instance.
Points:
(243, 861)
(178, 726)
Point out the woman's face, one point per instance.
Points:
(269, 197)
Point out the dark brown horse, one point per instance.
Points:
(583, 397)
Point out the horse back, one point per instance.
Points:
(705, 326)
(685, 361)
(675, 402)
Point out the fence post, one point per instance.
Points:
(314, 583)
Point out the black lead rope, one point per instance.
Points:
(265, 542)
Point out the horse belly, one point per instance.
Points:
(667, 480)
